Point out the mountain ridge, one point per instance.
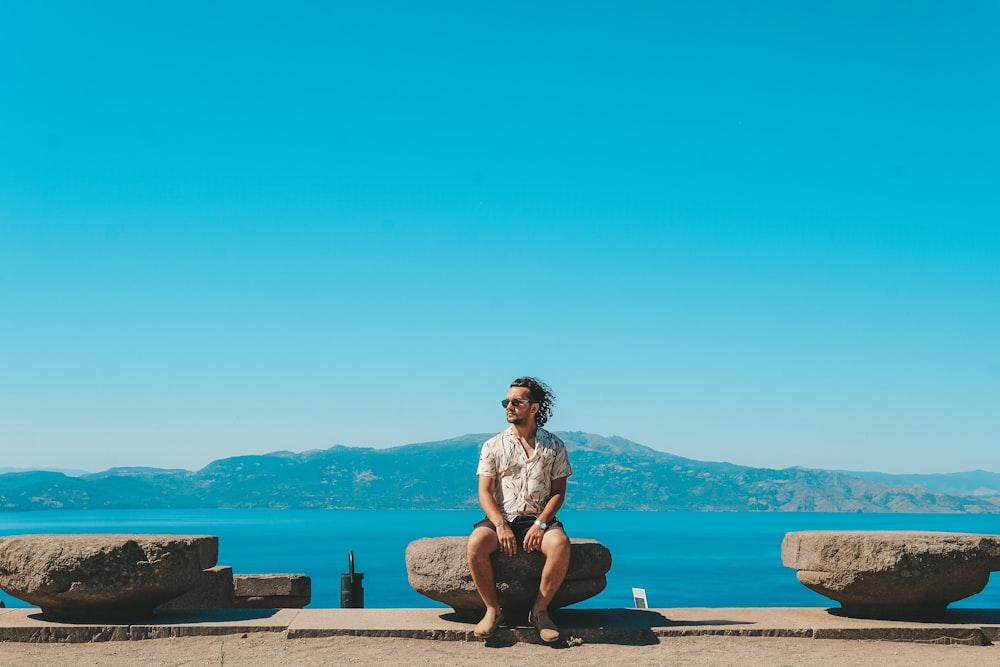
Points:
(610, 473)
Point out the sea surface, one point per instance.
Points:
(681, 559)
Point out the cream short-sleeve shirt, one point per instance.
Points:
(524, 484)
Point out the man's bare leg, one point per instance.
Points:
(482, 543)
(556, 548)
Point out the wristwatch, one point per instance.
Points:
(541, 524)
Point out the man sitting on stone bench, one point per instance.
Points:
(522, 484)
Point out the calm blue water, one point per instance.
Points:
(682, 559)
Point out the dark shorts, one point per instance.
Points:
(520, 526)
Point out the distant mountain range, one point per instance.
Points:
(973, 483)
(609, 473)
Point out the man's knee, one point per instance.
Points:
(482, 542)
(556, 544)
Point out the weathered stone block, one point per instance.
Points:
(902, 575)
(103, 576)
(214, 590)
(438, 568)
(272, 590)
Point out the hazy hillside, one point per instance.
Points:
(609, 473)
(972, 483)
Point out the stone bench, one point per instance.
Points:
(103, 576)
(111, 577)
(438, 568)
(898, 575)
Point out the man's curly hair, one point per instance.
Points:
(538, 392)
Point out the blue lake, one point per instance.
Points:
(682, 559)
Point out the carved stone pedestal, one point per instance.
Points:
(438, 568)
(899, 575)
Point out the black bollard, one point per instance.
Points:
(352, 594)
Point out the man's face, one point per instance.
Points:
(525, 412)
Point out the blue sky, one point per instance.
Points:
(767, 233)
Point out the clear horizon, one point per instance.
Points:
(767, 235)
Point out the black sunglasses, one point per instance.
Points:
(514, 401)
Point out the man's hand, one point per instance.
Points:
(533, 539)
(508, 545)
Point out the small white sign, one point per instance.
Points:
(639, 595)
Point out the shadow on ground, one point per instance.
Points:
(633, 627)
(165, 617)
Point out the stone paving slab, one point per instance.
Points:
(415, 623)
(621, 626)
(27, 625)
(194, 622)
(819, 623)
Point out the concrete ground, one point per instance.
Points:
(592, 626)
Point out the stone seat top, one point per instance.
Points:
(879, 550)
